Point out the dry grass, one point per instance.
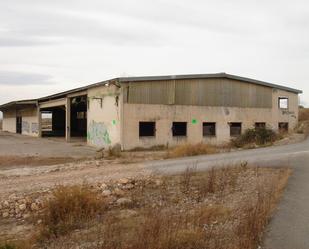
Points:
(303, 125)
(225, 208)
(69, 209)
(193, 150)
(303, 114)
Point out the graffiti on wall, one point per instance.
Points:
(97, 134)
(25, 127)
(35, 128)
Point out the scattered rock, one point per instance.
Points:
(103, 186)
(127, 213)
(119, 192)
(5, 215)
(34, 207)
(124, 201)
(128, 186)
(106, 192)
(124, 181)
(22, 207)
(6, 204)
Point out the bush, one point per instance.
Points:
(303, 114)
(258, 136)
(8, 246)
(69, 209)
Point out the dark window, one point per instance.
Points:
(235, 129)
(283, 103)
(260, 125)
(147, 129)
(209, 129)
(179, 129)
(283, 127)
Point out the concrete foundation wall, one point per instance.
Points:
(165, 115)
(30, 122)
(9, 121)
(103, 116)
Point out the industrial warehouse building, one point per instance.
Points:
(157, 110)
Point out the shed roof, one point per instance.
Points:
(208, 76)
(154, 78)
(19, 103)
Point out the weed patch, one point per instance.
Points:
(257, 136)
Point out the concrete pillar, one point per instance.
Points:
(39, 115)
(68, 120)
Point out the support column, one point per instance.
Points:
(68, 120)
(39, 116)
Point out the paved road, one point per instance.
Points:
(289, 228)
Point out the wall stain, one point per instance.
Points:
(97, 134)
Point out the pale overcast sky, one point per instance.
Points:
(51, 46)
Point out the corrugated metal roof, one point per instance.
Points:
(19, 103)
(207, 76)
(157, 78)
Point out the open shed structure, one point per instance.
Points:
(157, 110)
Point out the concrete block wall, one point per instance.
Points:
(103, 116)
(30, 122)
(9, 121)
(165, 115)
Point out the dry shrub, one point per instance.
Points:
(258, 136)
(70, 208)
(8, 246)
(15, 245)
(155, 229)
(220, 180)
(191, 150)
(114, 151)
(192, 210)
(303, 114)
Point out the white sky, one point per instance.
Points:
(51, 46)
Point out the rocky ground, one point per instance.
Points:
(225, 197)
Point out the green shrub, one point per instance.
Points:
(258, 136)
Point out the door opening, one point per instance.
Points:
(19, 124)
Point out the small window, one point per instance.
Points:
(147, 129)
(209, 129)
(179, 129)
(235, 129)
(260, 125)
(283, 103)
(283, 127)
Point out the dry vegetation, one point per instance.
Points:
(224, 208)
(303, 125)
(251, 138)
(194, 150)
